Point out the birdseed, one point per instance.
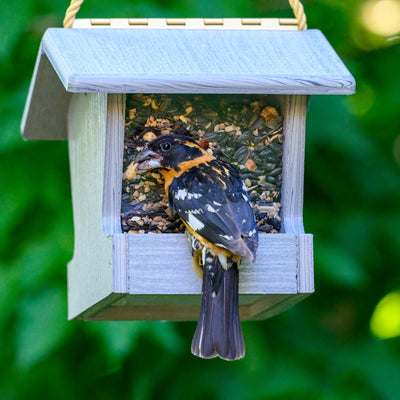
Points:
(244, 130)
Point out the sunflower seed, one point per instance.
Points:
(242, 154)
(242, 129)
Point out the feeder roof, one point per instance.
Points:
(176, 61)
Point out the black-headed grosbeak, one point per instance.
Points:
(211, 199)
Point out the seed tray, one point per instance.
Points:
(244, 130)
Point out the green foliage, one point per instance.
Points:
(320, 349)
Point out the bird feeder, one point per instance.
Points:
(82, 79)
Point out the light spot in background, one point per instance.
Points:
(381, 17)
(385, 320)
(362, 102)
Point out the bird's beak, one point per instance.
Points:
(145, 161)
(148, 160)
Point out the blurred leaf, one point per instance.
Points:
(385, 320)
(13, 21)
(41, 327)
(8, 292)
(380, 368)
(118, 337)
(14, 198)
(11, 104)
(339, 130)
(166, 336)
(121, 337)
(338, 267)
(363, 101)
(35, 261)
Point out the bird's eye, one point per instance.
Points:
(165, 146)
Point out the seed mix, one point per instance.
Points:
(244, 130)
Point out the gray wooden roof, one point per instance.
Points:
(176, 61)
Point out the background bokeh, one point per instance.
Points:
(340, 343)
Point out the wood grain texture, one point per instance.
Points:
(196, 61)
(113, 163)
(305, 264)
(162, 264)
(294, 110)
(120, 263)
(90, 273)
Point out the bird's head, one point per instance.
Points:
(168, 152)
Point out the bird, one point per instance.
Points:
(212, 201)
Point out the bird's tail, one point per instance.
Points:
(218, 331)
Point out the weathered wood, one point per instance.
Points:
(90, 273)
(165, 286)
(294, 110)
(153, 271)
(196, 61)
(305, 264)
(161, 264)
(175, 61)
(113, 163)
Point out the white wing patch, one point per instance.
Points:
(194, 222)
(182, 194)
(227, 237)
(252, 233)
(211, 209)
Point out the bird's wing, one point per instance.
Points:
(213, 201)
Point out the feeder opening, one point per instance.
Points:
(244, 130)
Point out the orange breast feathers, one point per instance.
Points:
(170, 174)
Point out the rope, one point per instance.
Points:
(71, 12)
(298, 11)
(296, 5)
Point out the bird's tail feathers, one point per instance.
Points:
(218, 331)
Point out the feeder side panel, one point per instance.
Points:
(90, 272)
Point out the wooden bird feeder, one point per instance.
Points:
(78, 92)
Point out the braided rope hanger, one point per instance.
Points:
(296, 5)
(298, 11)
(71, 12)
